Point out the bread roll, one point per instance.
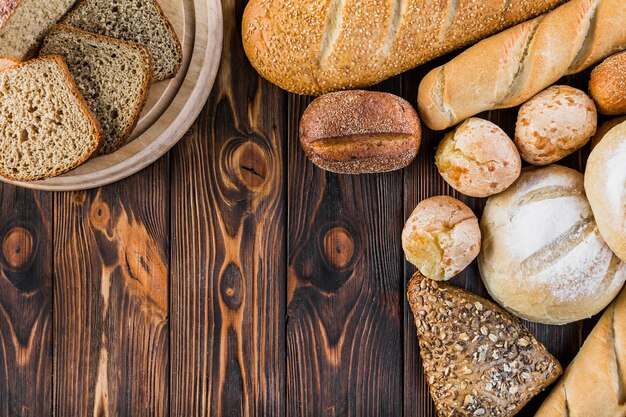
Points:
(608, 85)
(510, 67)
(594, 383)
(605, 184)
(554, 124)
(543, 258)
(478, 158)
(441, 237)
(317, 46)
(360, 132)
(604, 129)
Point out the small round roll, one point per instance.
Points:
(607, 85)
(478, 158)
(554, 124)
(542, 255)
(441, 237)
(605, 184)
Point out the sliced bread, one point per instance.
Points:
(23, 24)
(46, 128)
(140, 21)
(113, 75)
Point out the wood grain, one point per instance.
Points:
(228, 247)
(344, 355)
(172, 105)
(25, 303)
(111, 345)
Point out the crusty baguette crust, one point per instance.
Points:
(148, 66)
(594, 383)
(317, 46)
(510, 67)
(95, 125)
(168, 24)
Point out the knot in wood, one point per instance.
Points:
(17, 247)
(231, 287)
(248, 164)
(99, 214)
(339, 247)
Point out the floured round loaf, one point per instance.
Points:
(605, 184)
(542, 255)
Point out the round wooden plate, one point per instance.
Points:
(172, 106)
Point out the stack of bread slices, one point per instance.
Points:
(77, 79)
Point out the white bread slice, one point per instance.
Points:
(23, 24)
(46, 128)
(140, 21)
(114, 77)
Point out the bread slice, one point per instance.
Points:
(113, 75)
(478, 359)
(140, 21)
(46, 128)
(23, 24)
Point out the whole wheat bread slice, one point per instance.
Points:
(140, 21)
(113, 75)
(23, 24)
(46, 128)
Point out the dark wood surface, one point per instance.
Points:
(231, 278)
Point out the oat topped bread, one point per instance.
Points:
(23, 24)
(478, 359)
(46, 128)
(140, 21)
(114, 76)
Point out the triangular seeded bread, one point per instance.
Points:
(23, 24)
(114, 76)
(140, 21)
(46, 128)
(478, 359)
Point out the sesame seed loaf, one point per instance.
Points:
(140, 21)
(478, 359)
(46, 128)
(113, 75)
(23, 24)
(315, 46)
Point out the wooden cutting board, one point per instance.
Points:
(172, 106)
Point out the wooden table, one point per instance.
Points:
(230, 278)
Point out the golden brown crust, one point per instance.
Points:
(607, 85)
(509, 68)
(478, 359)
(147, 82)
(313, 47)
(355, 132)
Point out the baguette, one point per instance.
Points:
(511, 67)
(594, 383)
(317, 46)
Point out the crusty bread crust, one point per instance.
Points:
(317, 46)
(509, 68)
(7, 8)
(607, 85)
(95, 125)
(147, 84)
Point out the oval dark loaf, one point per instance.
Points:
(359, 132)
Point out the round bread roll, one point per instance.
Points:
(554, 124)
(605, 184)
(478, 158)
(542, 256)
(604, 129)
(607, 85)
(441, 237)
